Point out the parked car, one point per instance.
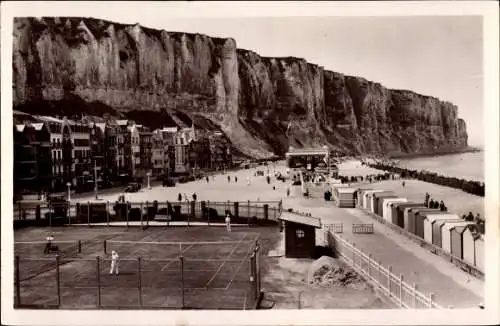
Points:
(133, 187)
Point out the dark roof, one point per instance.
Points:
(300, 219)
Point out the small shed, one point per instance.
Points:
(361, 196)
(410, 218)
(479, 253)
(368, 197)
(387, 208)
(419, 217)
(344, 197)
(469, 237)
(377, 202)
(437, 225)
(398, 212)
(429, 221)
(457, 240)
(300, 234)
(446, 234)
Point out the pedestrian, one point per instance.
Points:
(268, 178)
(470, 217)
(185, 197)
(431, 204)
(478, 217)
(274, 187)
(288, 192)
(194, 196)
(228, 178)
(427, 196)
(403, 183)
(48, 245)
(235, 179)
(441, 206)
(228, 223)
(248, 181)
(179, 197)
(114, 263)
(207, 179)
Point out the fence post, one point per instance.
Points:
(139, 280)
(126, 211)
(68, 212)
(58, 282)
(208, 212)
(181, 259)
(401, 290)
(370, 265)
(414, 295)
(389, 273)
(98, 278)
(431, 300)
(18, 282)
(88, 213)
(354, 254)
(79, 246)
(105, 245)
(107, 212)
(142, 211)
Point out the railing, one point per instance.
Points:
(392, 286)
(362, 228)
(462, 264)
(107, 213)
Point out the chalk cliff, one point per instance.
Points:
(264, 105)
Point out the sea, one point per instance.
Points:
(469, 166)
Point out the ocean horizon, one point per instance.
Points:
(469, 165)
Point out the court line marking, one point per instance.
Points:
(222, 265)
(239, 267)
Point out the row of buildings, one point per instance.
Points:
(50, 153)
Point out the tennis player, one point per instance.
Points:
(114, 263)
(228, 223)
(48, 245)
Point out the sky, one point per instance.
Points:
(439, 56)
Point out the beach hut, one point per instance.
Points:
(368, 195)
(437, 225)
(479, 253)
(409, 218)
(469, 237)
(418, 218)
(457, 240)
(387, 209)
(377, 201)
(361, 196)
(429, 221)
(398, 212)
(300, 234)
(344, 197)
(446, 234)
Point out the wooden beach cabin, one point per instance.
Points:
(430, 219)
(398, 212)
(479, 253)
(300, 234)
(469, 238)
(446, 234)
(457, 240)
(361, 196)
(437, 226)
(410, 218)
(344, 197)
(419, 217)
(377, 201)
(368, 196)
(387, 209)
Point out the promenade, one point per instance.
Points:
(431, 273)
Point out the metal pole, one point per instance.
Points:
(126, 210)
(105, 246)
(142, 211)
(88, 213)
(389, 280)
(181, 259)
(401, 290)
(18, 282)
(414, 295)
(370, 265)
(79, 246)
(107, 212)
(98, 278)
(95, 178)
(139, 280)
(58, 282)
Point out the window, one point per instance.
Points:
(299, 233)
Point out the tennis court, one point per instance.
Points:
(162, 268)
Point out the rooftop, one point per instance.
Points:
(300, 219)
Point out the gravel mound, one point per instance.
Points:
(330, 272)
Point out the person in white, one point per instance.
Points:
(228, 223)
(248, 181)
(48, 245)
(114, 263)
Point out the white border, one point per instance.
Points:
(488, 10)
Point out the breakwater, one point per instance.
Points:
(472, 187)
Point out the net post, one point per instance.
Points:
(58, 282)
(105, 246)
(88, 213)
(79, 246)
(401, 290)
(139, 280)
(181, 260)
(18, 281)
(98, 279)
(107, 212)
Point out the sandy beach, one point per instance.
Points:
(457, 201)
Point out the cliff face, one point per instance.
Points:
(262, 104)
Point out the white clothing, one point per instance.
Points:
(50, 238)
(114, 263)
(228, 224)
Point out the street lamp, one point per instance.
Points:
(149, 175)
(69, 190)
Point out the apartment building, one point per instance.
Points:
(145, 150)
